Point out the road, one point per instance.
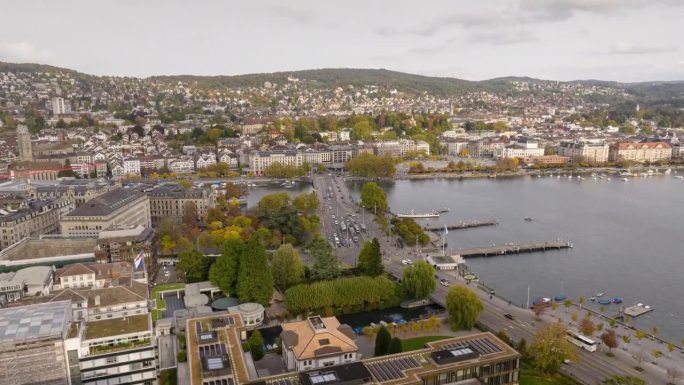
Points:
(591, 368)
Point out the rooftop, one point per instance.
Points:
(117, 326)
(106, 203)
(33, 322)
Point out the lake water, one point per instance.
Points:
(627, 237)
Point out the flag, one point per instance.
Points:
(446, 231)
(139, 259)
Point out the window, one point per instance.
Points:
(111, 360)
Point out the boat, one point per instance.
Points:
(542, 301)
(679, 177)
(442, 210)
(592, 299)
(527, 219)
(668, 171)
(624, 179)
(560, 297)
(413, 214)
(604, 301)
(600, 294)
(617, 300)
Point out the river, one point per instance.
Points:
(626, 237)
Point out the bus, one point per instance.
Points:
(343, 227)
(582, 341)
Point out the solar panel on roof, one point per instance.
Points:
(323, 378)
(214, 363)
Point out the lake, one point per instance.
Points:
(627, 237)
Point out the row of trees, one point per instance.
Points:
(341, 292)
(282, 170)
(410, 231)
(502, 165)
(368, 165)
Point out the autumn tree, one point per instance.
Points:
(288, 269)
(551, 348)
(587, 327)
(190, 217)
(609, 338)
(463, 306)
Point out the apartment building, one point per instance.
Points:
(259, 161)
(31, 219)
(584, 151)
(113, 208)
(169, 201)
(317, 342)
(640, 152)
(522, 148)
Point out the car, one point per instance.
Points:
(333, 216)
(567, 361)
(444, 282)
(509, 316)
(336, 223)
(406, 262)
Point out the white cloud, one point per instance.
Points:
(638, 49)
(23, 52)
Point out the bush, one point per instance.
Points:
(256, 345)
(341, 292)
(182, 356)
(382, 342)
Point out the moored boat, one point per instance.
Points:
(413, 214)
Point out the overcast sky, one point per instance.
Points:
(624, 40)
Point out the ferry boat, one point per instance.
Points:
(413, 214)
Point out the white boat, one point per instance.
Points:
(668, 171)
(679, 177)
(413, 214)
(624, 179)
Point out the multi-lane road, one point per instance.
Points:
(591, 368)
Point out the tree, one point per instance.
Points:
(463, 306)
(326, 264)
(609, 338)
(587, 327)
(215, 214)
(624, 380)
(551, 348)
(368, 165)
(168, 245)
(522, 347)
(370, 259)
(567, 303)
(656, 354)
(288, 269)
(394, 346)
(255, 279)
(190, 217)
(581, 300)
(419, 280)
(362, 130)
(373, 197)
(185, 183)
(256, 345)
(194, 265)
(382, 342)
(538, 309)
(223, 273)
(639, 334)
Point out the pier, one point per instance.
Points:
(512, 248)
(637, 310)
(461, 225)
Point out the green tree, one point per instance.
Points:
(624, 380)
(215, 214)
(551, 348)
(255, 279)
(326, 264)
(306, 204)
(223, 273)
(394, 346)
(370, 258)
(368, 165)
(362, 130)
(288, 269)
(373, 197)
(419, 280)
(382, 342)
(256, 345)
(194, 265)
(463, 307)
(168, 245)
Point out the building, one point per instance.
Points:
(584, 151)
(259, 161)
(522, 148)
(317, 342)
(123, 243)
(32, 218)
(640, 152)
(169, 201)
(47, 250)
(32, 348)
(36, 170)
(400, 148)
(59, 106)
(26, 282)
(114, 208)
(24, 144)
(93, 275)
(549, 160)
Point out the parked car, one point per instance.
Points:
(509, 316)
(444, 282)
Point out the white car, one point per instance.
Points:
(406, 262)
(444, 282)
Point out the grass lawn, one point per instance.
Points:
(161, 304)
(530, 376)
(419, 342)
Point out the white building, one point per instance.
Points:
(131, 166)
(259, 161)
(59, 107)
(522, 148)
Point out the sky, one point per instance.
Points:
(621, 40)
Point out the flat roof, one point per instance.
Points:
(34, 322)
(115, 326)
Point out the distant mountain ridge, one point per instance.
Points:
(343, 77)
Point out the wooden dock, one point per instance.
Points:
(512, 248)
(461, 225)
(636, 310)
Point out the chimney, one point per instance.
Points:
(97, 300)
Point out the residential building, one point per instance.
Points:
(32, 218)
(24, 144)
(116, 207)
(259, 161)
(59, 106)
(131, 166)
(317, 342)
(32, 348)
(94, 275)
(593, 152)
(522, 148)
(401, 147)
(169, 201)
(640, 152)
